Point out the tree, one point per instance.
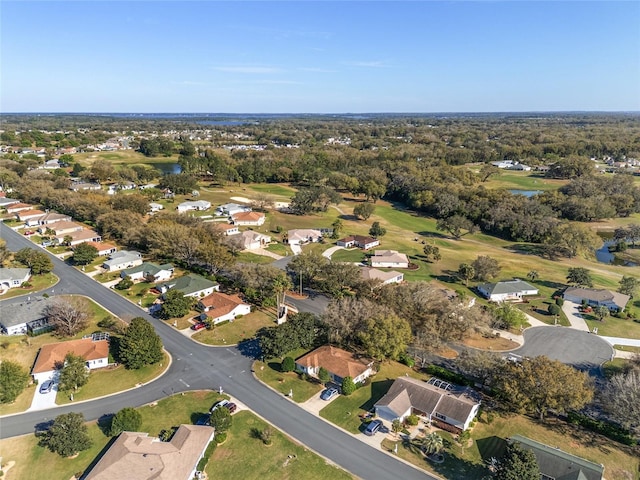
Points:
(313, 199)
(488, 171)
(480, 365)
(579, 276)
(385, 337)
(517, 464)
(466, 272)
(13, 380)
(67, 435)
(221, 419)
(126, 420)
(337, 226)
(364, 210)
(377, 230)
(601, 312)
(485, 267)
(505, 315)
(124, 284)
(140, 345)
(307, 266)
(432, 253)
(454, 225)
(553, 309)
(175, 305)
(67, 239)
(348, 386)
(84, 254)
(533, 275)
(38, 262)
(621, 398)
(538, 384)
(433, 443)
(288, 365)
(74, 374)
(396, 426)
(68, 317)
(323, 375)
(628, 285)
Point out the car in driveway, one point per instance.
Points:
(46, 386)
(373, 427)
(220, 404)
(204, 419)
(329, 393)
(198, 326)
(232, 407)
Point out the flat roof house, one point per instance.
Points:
(339, 363)
(136, 455)
(122, 259)
(389, 259)
(24, 317)
(13, 277)
(594, 297)
(439, 401)
(219, 307)
(508, 290)
(558, 465)
(51, 357)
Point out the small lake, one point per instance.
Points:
(526, 193)
(168, 167)
(603, 255)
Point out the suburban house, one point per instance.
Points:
(77, 186)
(135, 455)
(558, 465)
(190, 285)
(384, 277)
(252, 240)
(121, 260)
(360, 241)
(228, 229)
(26, 215)
(103, 248)
(13, 277)
(302, 236)
(230, 209)
(78, 237)
(509, 290)
(155, 207)
(60, 228)
(25, 317)
(160, 273)
(48, 218)
(198, 205)
(519, 166)
(6, 202)
(94, 350)
(594, 297)
(451, 407)
(248, 219)
(19, 207)
(389, 259)
(339, 363)
(219, 307)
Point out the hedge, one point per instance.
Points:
(614, 432)
(205, 458)
(448, 375)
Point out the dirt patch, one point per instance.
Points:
(492, 343)
(446, 352)
(241, 199)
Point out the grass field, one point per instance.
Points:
(245, 456)
(350, 255)
(235, 332)
(248, 257)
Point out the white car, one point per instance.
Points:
(221, 403)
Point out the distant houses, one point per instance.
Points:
(360, 241)
(508, 290)
(612, 300)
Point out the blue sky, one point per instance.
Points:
(319, 57)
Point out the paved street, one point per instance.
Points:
(199, 367)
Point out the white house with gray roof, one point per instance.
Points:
(197, 205)
(389, 259)
(13, 277)
(122, 259)
(19, 319)
(594, 297)
(509, 290)
(160, 273)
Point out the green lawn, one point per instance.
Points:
(269, 373)
(244, 456)
(614, 327)
(139, 293)
(248, 257)
(111, 380)
(279, 249)
(273, 189)
(350, 255)
(38, 282)
(235, 332)
(510, 180)
(21, 403)
(537, 308)
(344, 411)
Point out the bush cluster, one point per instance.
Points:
(609, 430)
(448, 375)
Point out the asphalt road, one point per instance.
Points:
(196, 367)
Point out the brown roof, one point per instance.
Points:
(226, 226)
(247, 216)
(135, 455)
(370, 273)
(29, 213)
(599, 296)
(63, 225)
(102, 247)
(80, 235)
(19, 206)
(52, 354)
(220, 303)
(335, 360)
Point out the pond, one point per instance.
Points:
(603, 255)
(526, 193)
(168, 167)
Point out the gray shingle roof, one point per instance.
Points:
(27, 311)
(508, 286)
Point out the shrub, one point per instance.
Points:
(614, 432)
(221, 437)
(323, 375)
(448, 375)
(266, 436)
(287, 365)
(348, 386)
(207, 453)
(559, 301)
(553, 309)
(407, 360)
(412, 420)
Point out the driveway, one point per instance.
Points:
(583, 350)
(330, 251)
(296, 249)
(570, 309)
(42, 401)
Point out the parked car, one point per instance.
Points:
(329, 393)
(198, 326)
(46, 386)
(221, 403)
(203, 419)
(232, 407)
(373, 427)
(29, 232)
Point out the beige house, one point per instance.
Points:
(384, 277)
(339, 363)
(389, 259)
(137, 456)
(303, 235)
(228, 229)
(252, 240)
(78, 237)
(61, 228)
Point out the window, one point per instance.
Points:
(440, 416)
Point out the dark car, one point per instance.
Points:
(203, 419)
(232, 407)
(46, 386)
(198, 326)
(329, 393)
(373, 427)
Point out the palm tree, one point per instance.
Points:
(433, 443)
(533, 275)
